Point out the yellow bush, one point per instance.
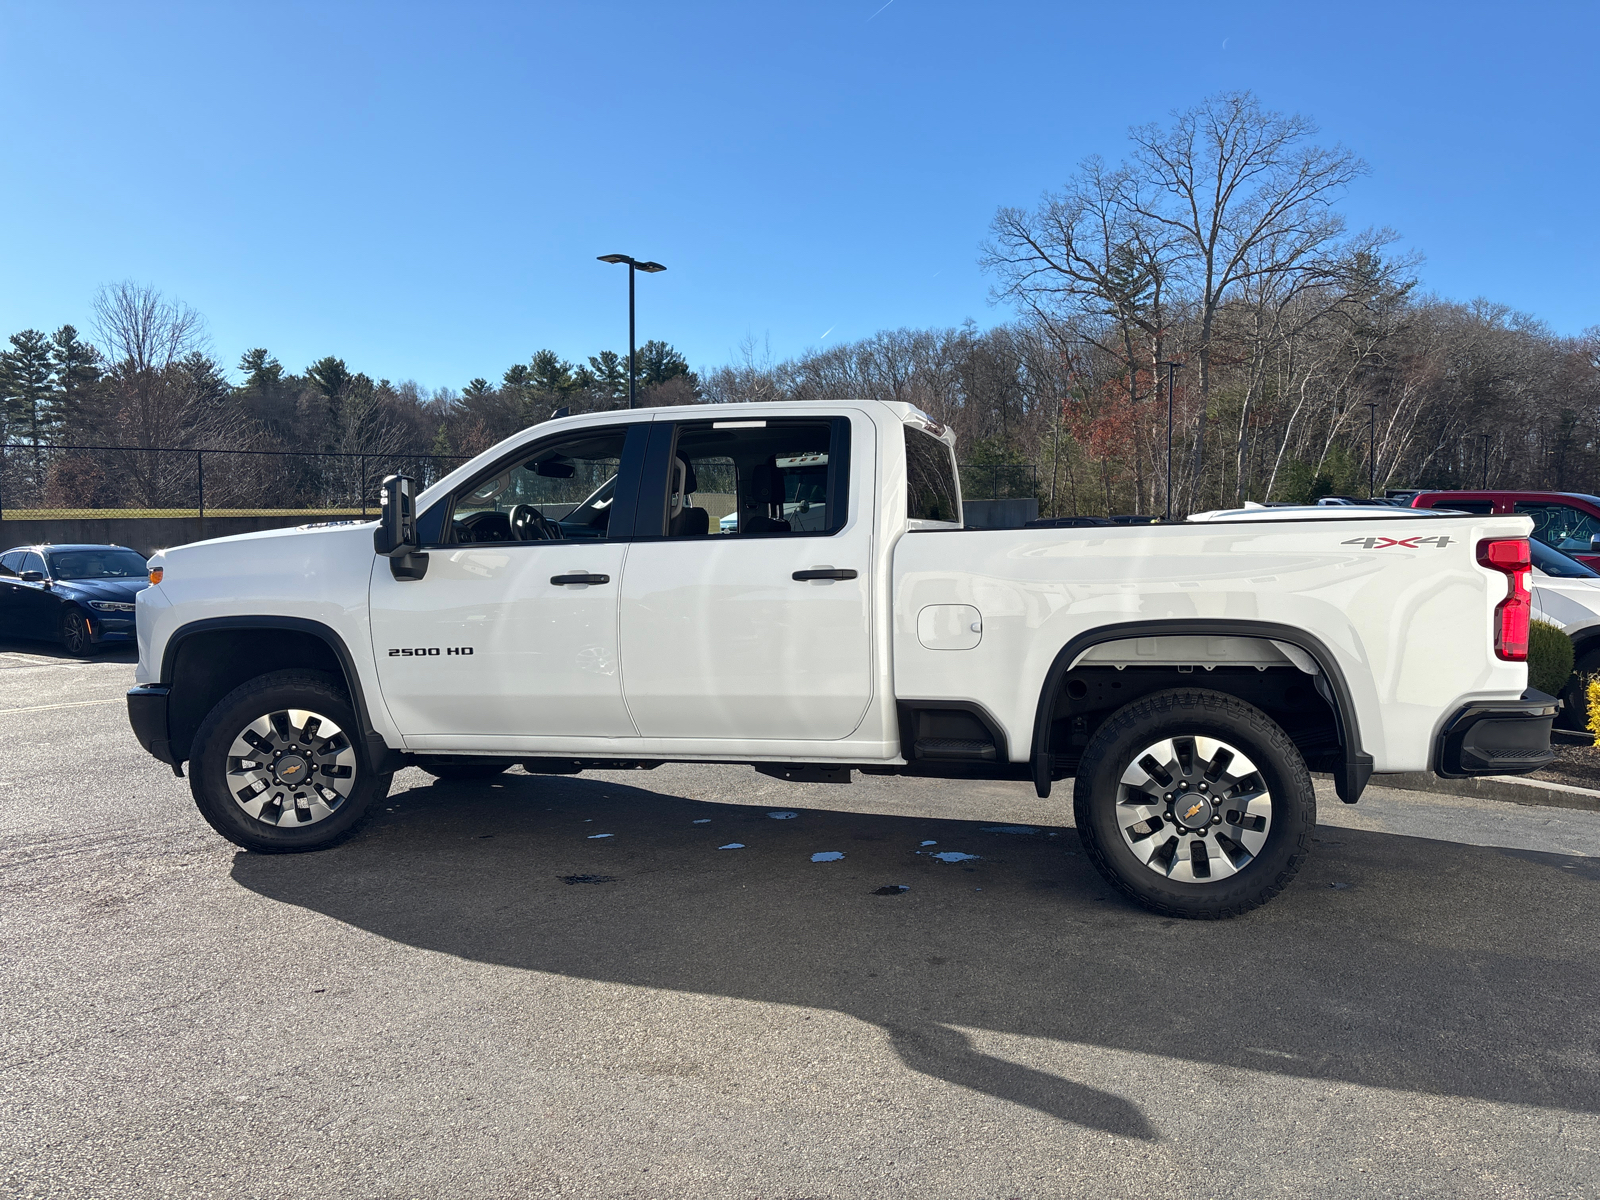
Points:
(1592, 695)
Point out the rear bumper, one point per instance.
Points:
(1497, 737)
(147, 713)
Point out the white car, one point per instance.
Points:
(1185, 675)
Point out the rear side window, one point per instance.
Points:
(766, 478)
(932, 493)
(1482, 508)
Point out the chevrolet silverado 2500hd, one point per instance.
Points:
(576, 598)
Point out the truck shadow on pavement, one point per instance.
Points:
(1392, 962)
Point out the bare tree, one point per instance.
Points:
(1229, 180)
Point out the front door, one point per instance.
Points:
(512, 632)
(746, 613)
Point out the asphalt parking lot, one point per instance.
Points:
(563, 987)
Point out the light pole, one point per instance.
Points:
(633, 265)
(1171, 367)
(1372, 443)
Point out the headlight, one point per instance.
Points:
(110, 606)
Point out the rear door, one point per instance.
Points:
(756, 628)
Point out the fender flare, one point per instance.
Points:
(1349, 781)
(379, 752)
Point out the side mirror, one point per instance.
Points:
(1594, 544)
(32, 577)
(395, 538)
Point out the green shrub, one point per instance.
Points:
(1549, 657)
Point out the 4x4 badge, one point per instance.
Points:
(1410, 543)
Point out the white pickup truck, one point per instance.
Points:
(576, 598)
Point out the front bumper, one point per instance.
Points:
(1497, 737)
(147, 713)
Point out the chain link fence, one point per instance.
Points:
(999, 481)
(50, 480)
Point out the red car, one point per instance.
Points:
(1564, 521)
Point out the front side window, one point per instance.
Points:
(748, 478)
(1560, 526)
(561, 491)
(97, 564)
(932, 493)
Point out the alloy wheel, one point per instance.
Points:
(1193, 809)
(291, 768)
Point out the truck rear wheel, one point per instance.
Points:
(1194, 804)
(278, 765)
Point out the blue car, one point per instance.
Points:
(80, 596)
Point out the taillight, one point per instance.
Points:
(1511, 557)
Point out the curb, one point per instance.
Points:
(1510, 788)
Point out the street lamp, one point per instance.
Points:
(633, 265)
(1171, 367)
(1372, 442)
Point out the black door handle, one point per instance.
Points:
(830, 573)
(565, 579)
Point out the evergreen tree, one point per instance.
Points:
(30, 398)
(262, 371)
(610, 371)
(77, 367)
(551, 373)
(657, 362)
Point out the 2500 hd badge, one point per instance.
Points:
(429, 651)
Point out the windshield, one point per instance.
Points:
(1553, 562)
(98, 564)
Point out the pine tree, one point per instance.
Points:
(611, 373)
(551, 373)
(77, 367)
(30, 408)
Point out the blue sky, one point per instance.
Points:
(422, 189)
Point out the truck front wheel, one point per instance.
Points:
(1194, 804)
(278, 766)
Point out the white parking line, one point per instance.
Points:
(72, 704)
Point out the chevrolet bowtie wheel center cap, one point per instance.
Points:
(1192, 811)
(292, 770)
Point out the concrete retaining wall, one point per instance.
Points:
(1000, 514)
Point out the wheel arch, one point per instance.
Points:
(216, 654)
(1357, 765)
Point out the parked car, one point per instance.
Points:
(1184, 675)
(1567, 593)
(1564, 521)
(81, 595)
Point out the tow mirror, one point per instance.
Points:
(396, 535)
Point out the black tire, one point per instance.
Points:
(1179, 714)
(1574, 714)
(75, 636)
(279, 692)
(467, 770)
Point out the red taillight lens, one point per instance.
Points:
(1511, 557)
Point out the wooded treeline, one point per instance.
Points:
(1216, 245)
